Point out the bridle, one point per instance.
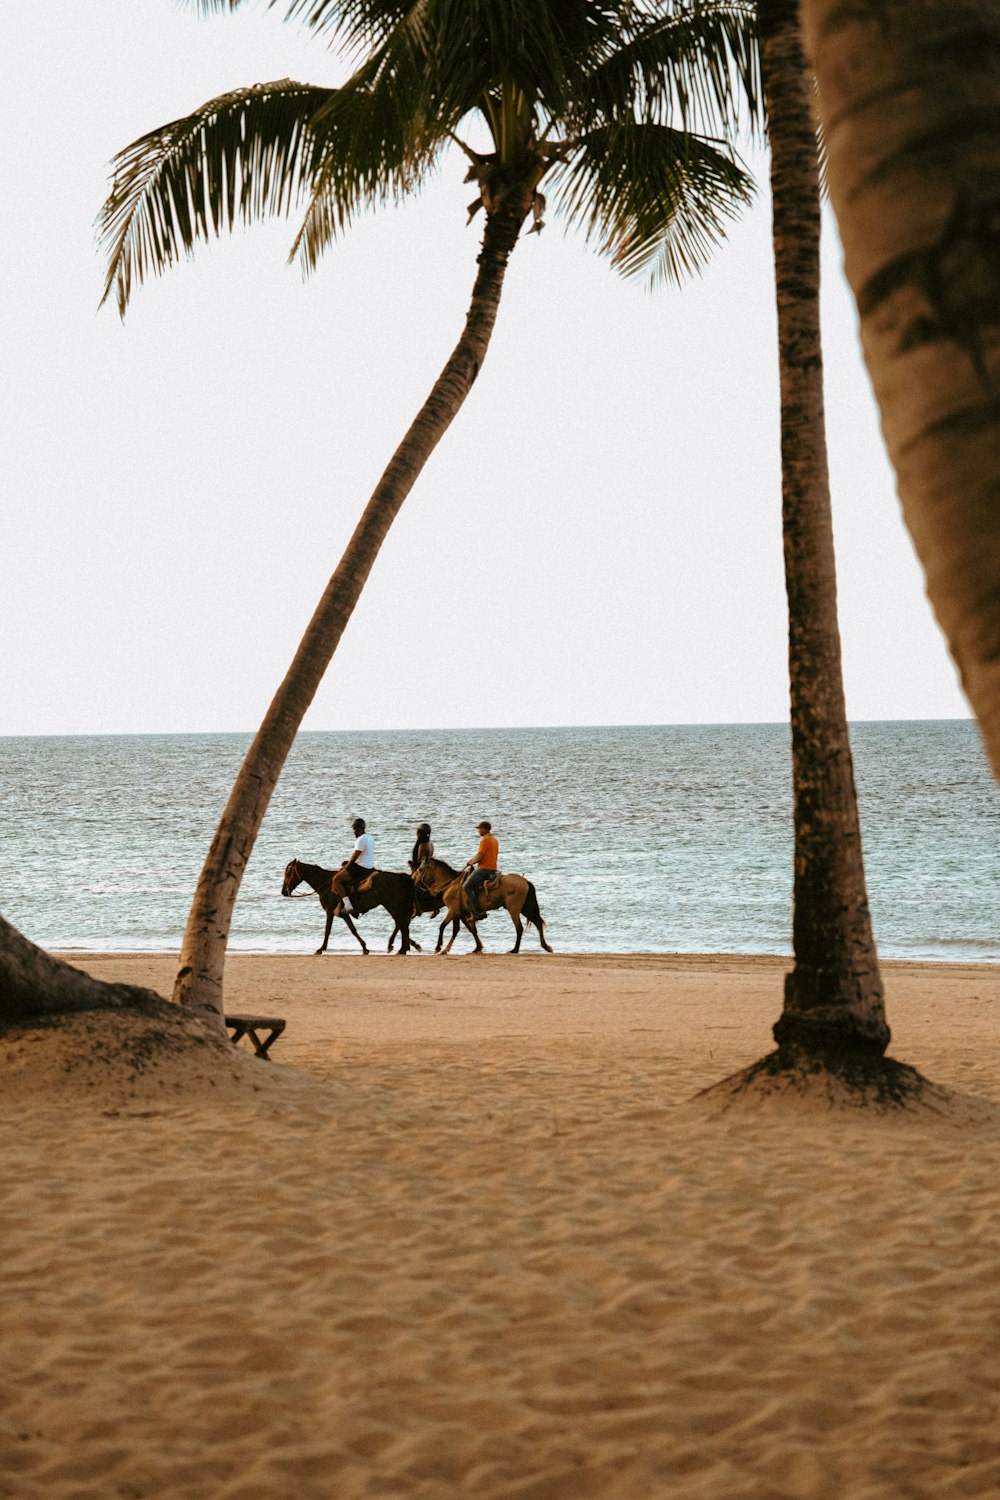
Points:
(423, 883)
(293, 871)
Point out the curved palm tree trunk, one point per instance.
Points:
(33, 984)
(202, 957)
(833, 996)
(910, 99)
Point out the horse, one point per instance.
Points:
(381, 888)
(511, 891)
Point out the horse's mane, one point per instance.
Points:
(445, 866)
(315, 871)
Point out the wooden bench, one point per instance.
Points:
(240, 1026)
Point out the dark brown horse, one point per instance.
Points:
(383, 888)
(511, 891)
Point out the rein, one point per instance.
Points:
(437, 890)
(302, 895)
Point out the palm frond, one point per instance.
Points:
(242, 156)
(468, 46)
(694, 63)
(822, 156)
(213, 7)
(354, 24)
(545, 48)
(656, 199)
(620, 80)
(377, 143)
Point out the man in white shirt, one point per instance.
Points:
(358, 867)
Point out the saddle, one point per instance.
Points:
(354, 892)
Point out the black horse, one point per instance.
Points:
(383, 888)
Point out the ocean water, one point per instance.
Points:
(644, 839)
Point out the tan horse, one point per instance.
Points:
(510, 891)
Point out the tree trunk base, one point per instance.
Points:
(144, 1057)
(785, 1083)
(34, 985)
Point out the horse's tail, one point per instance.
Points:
(533, 917)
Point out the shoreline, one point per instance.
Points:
(673, 959)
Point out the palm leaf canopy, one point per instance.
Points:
(624, 106)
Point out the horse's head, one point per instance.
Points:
(292, 877)
(432, 875)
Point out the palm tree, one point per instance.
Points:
(833, 1022)
(595, 97)
(834, 1014)
(909, 96)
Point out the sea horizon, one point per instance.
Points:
(102, 836)
(79, 734)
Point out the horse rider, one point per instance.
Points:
(423, 849)
(483, 864)
(358, 867)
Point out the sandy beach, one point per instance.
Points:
(468, 1236)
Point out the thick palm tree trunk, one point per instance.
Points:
(202, 959)
(910, 102)
(33, 984)
(833, 996)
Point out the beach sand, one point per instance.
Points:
(467, 1237)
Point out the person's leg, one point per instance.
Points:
(472, 885)
(342, 884)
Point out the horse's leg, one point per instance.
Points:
(475, 933)
(326, 932)
(392, 938)
(514, 912)
(404, 928)
(454, 931)
(351, 928)
(468, 923)
(441, 933)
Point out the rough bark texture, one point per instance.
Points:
(199, 981)
(910, 102)
(35, 986)
(32, 984)
(833, 996)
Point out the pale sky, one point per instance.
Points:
(596, 540)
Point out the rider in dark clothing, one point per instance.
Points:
(423, 850)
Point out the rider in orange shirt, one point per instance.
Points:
(486, 861)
